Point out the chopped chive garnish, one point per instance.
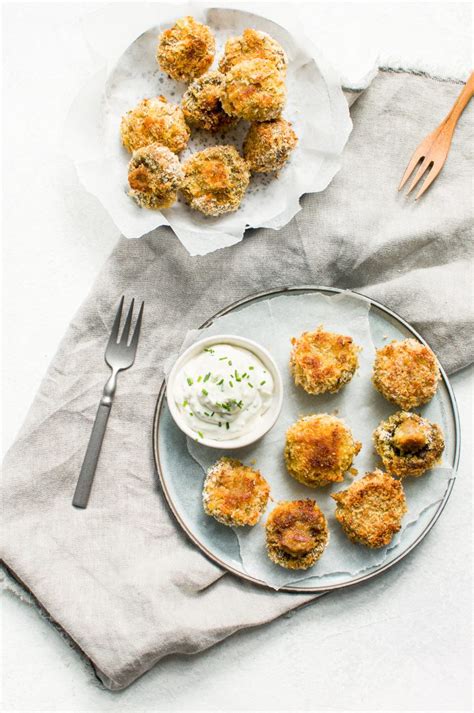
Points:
(263, 382)
(227, 425)
(205, 392)
(245, 375)
(229, 362)
(208, 349)
(200, 434)
(222, 358)
(251, 368)
(219, 383)
(220, 424)
(231, 384)
(185, 403)
(251, 385)
(190, 381)
(206, 378)
(199, 378)
(212, 414)
(191, 413)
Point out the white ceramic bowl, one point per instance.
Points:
(268, 419)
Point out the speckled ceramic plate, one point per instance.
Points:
(181, 476)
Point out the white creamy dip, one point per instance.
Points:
(223, 391)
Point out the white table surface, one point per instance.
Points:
(400, 642)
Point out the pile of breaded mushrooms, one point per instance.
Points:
(320, 450)
(248, 85)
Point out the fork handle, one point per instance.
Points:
(86, 476)
(461, 102)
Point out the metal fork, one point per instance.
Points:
(119, 355)
(433, 150)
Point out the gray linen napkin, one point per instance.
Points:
(120, 578)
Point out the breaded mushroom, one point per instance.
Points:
(155, 120)
(235, 494)
(370, 511)
(319, 450)
(268, 145)
(252, 44)
(186, 50)
(154, 175)
(201, 103)
(406, 373)
(297, 534)
(408, 444)
(323, 361)
(254, 90)
(215, 180)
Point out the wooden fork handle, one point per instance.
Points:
(461, 102)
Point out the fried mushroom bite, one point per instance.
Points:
(215, 180)
(235, 494)
(408, 444)
(323, 361)
(201, 103)
(252, 44)
(254, 90)
(186, 50)
(296, 534)
(268, 145)
(154, 175)
(319, 450)
(155, 120)
(406, 373)
(370, 511)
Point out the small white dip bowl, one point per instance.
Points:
(267, 420)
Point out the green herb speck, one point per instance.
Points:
(263, 382)
(227, 425)
(206, 378)
(251, 385)
(205, 392)
(190, 381)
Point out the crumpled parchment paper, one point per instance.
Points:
(316, 106)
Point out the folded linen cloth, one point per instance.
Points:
(120, 577)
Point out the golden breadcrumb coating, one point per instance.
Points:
(323, 361)
(406, 373)
(154, 175)
(268, 145)
(215, 180)
(408, 444)
(235, 494)
(252, 44)
(370, 511)
(155, 120)
(319, 450)
(186, 50)
(254, 90)
(201, 103)
(297, 534)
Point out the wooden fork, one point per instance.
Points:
(433, 150)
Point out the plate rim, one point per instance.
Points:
(383, 567)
